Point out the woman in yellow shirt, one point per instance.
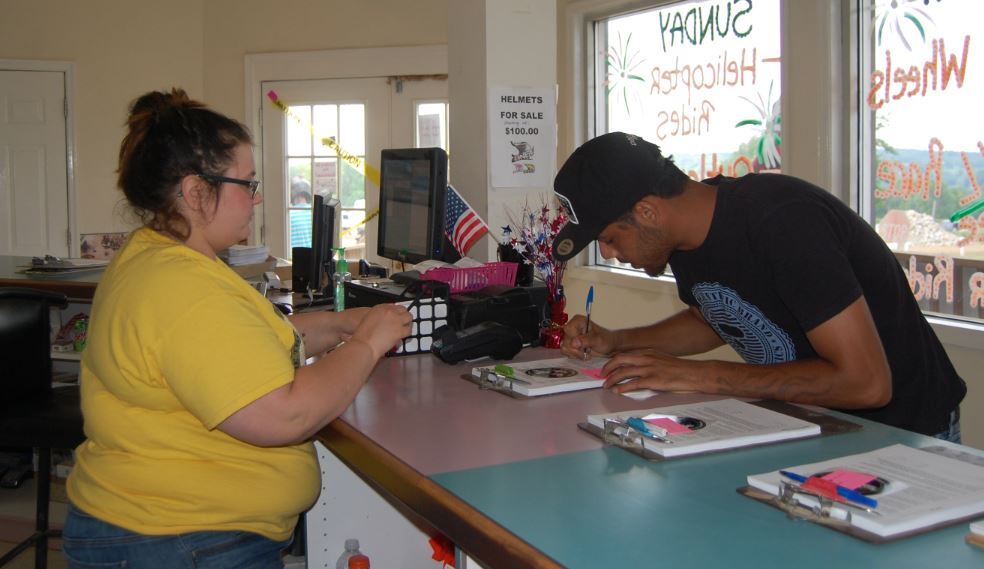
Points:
(198, 410)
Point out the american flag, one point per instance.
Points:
(461, 224)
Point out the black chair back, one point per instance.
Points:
(25, 342)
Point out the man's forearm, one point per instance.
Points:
(814, 382)
(682, 334)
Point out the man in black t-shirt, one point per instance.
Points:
(795, 281)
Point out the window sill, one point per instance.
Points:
(596, 274)
(950, 331)
(954, 332)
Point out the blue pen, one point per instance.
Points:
(652, 432)
(847, 493)
(587, 313)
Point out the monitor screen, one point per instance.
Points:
(413, 183)
(324, 229)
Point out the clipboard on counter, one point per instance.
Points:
(905, 501)
(793, 422)
(523, 380)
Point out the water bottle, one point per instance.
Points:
(341, 276)
(358, 561)
(351, 548)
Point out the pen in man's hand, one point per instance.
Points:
(587, 312)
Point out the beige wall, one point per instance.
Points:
(124, 48)
(234, 28)
(120, 49)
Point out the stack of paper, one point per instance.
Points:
(245, 254)
(915, 489)
(555, 375)
(976, 535)
(50, 264)
(712, 425)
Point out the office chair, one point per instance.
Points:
(32, 413)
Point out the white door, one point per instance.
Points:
(354, 113)
(33, 164)
(363, 116)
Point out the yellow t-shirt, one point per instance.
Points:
(177, 343)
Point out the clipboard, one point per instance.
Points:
(492, 382)
(523, 380)
(829, 425)
(838, 516)
(821, 516)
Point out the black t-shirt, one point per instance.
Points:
(783, 256)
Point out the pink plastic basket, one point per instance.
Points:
(475, 278)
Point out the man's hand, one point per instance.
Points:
(649, 369)
(579, 344)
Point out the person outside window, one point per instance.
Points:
(300, 213)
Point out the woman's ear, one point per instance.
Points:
(193, 192)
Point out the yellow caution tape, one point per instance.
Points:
(372, 174)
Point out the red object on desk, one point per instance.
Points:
(825, 488)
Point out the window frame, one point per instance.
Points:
(826, 134)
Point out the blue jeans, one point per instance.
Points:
(90, 543)
(952, 433)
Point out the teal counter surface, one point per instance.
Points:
(611, 508)
(515, 483)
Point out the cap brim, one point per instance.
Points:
(571, 240)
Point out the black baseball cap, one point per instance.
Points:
(600, 182)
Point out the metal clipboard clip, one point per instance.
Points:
(488, 379)
(816, 508)
(621, 434)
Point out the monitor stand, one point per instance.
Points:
(319, 301)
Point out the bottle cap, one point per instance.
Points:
(341, 265)
(358, 561)
(351, 544)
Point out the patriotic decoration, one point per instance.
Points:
(461, 224)
(533, 239)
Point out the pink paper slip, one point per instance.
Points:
(671, 426)
(849, 479)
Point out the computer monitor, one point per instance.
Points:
(412, 189)
(324, 230)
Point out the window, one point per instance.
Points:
(922, 156)
(314, 167)
(432, 124)
(700, 79)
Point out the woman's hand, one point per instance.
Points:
(349, 320)
(383, 326)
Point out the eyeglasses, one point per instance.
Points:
(253, 185)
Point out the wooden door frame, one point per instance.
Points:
(330, 64)
(67, 68)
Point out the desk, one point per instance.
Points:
(76, 286)
(516, 484)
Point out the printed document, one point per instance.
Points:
(711, 425)
(542, 377)
(915, 489)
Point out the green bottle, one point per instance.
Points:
(341, 276)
